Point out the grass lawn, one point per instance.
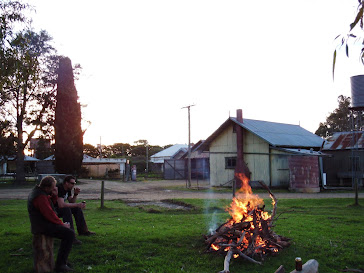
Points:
(153, 239)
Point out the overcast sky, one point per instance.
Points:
(143, 60)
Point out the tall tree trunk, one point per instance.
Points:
(20, 171)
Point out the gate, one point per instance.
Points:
(175, 169)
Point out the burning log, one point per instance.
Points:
(248, 232)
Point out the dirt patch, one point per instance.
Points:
(169, 204)
(157, 191)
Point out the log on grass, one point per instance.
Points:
(43, 253)
(280, 270)
(311, 266)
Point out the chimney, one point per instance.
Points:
(239, 115)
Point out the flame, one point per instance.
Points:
(246, 208)
(215, 247)
(244, 202)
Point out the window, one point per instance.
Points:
(230, 162)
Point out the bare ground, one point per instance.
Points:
(155, 191)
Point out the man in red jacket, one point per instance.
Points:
(44, 220)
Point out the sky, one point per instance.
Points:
(144, 60)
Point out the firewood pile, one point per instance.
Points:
(248, 233)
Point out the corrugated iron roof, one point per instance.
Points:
(345, 141)
(103, 160)
(170, 151)
(26, 158)
(303, 152)
(196, 151)
(276, 134)
(281, 134)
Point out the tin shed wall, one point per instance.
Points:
(256, 156)
(223, 146)
(99, 170)
(279, 169)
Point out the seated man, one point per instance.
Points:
(44, 220)
(67, 209)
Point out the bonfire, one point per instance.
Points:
(248, 233)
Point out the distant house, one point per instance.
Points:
(347, 159)
(101, 167)
(92, 167)
(281, 155)
(8, 165)
(200, 166)
(171, 153)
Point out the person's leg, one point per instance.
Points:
(66, 215)
(80, 221)
(67, 236)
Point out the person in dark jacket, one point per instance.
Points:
(44, 220)
(67, 205)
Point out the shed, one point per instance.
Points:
(92, 167)
(9, 165)
(174, 152)
(281, 155)
(347, 158)
(100, 167)
(200, 166)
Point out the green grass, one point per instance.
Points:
(145, 239)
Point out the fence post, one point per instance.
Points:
(102, 194)
(234, 187)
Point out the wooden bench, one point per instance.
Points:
(43, 253)
(345, 176)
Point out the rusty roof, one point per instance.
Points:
(345, 141)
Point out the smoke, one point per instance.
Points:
(211, 212)
(212, 226)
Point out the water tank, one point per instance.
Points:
(357, 91)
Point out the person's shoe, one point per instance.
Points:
(88, 233)
(63, 268)
(77, 242)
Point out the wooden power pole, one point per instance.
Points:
(189, 145)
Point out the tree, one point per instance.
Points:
(26, 79)
(139, 149)
(43, 148)
(339, 120)
(353, 29)
(68, 132)
(118, 150)
(90, 150)
(7, 140)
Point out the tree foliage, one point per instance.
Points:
(27, 86)
(340, 120)
(90, 150)
(117, 150)
(43, 148)
(357, 26)
(7, 140)
(122, 150)
(68, 131)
